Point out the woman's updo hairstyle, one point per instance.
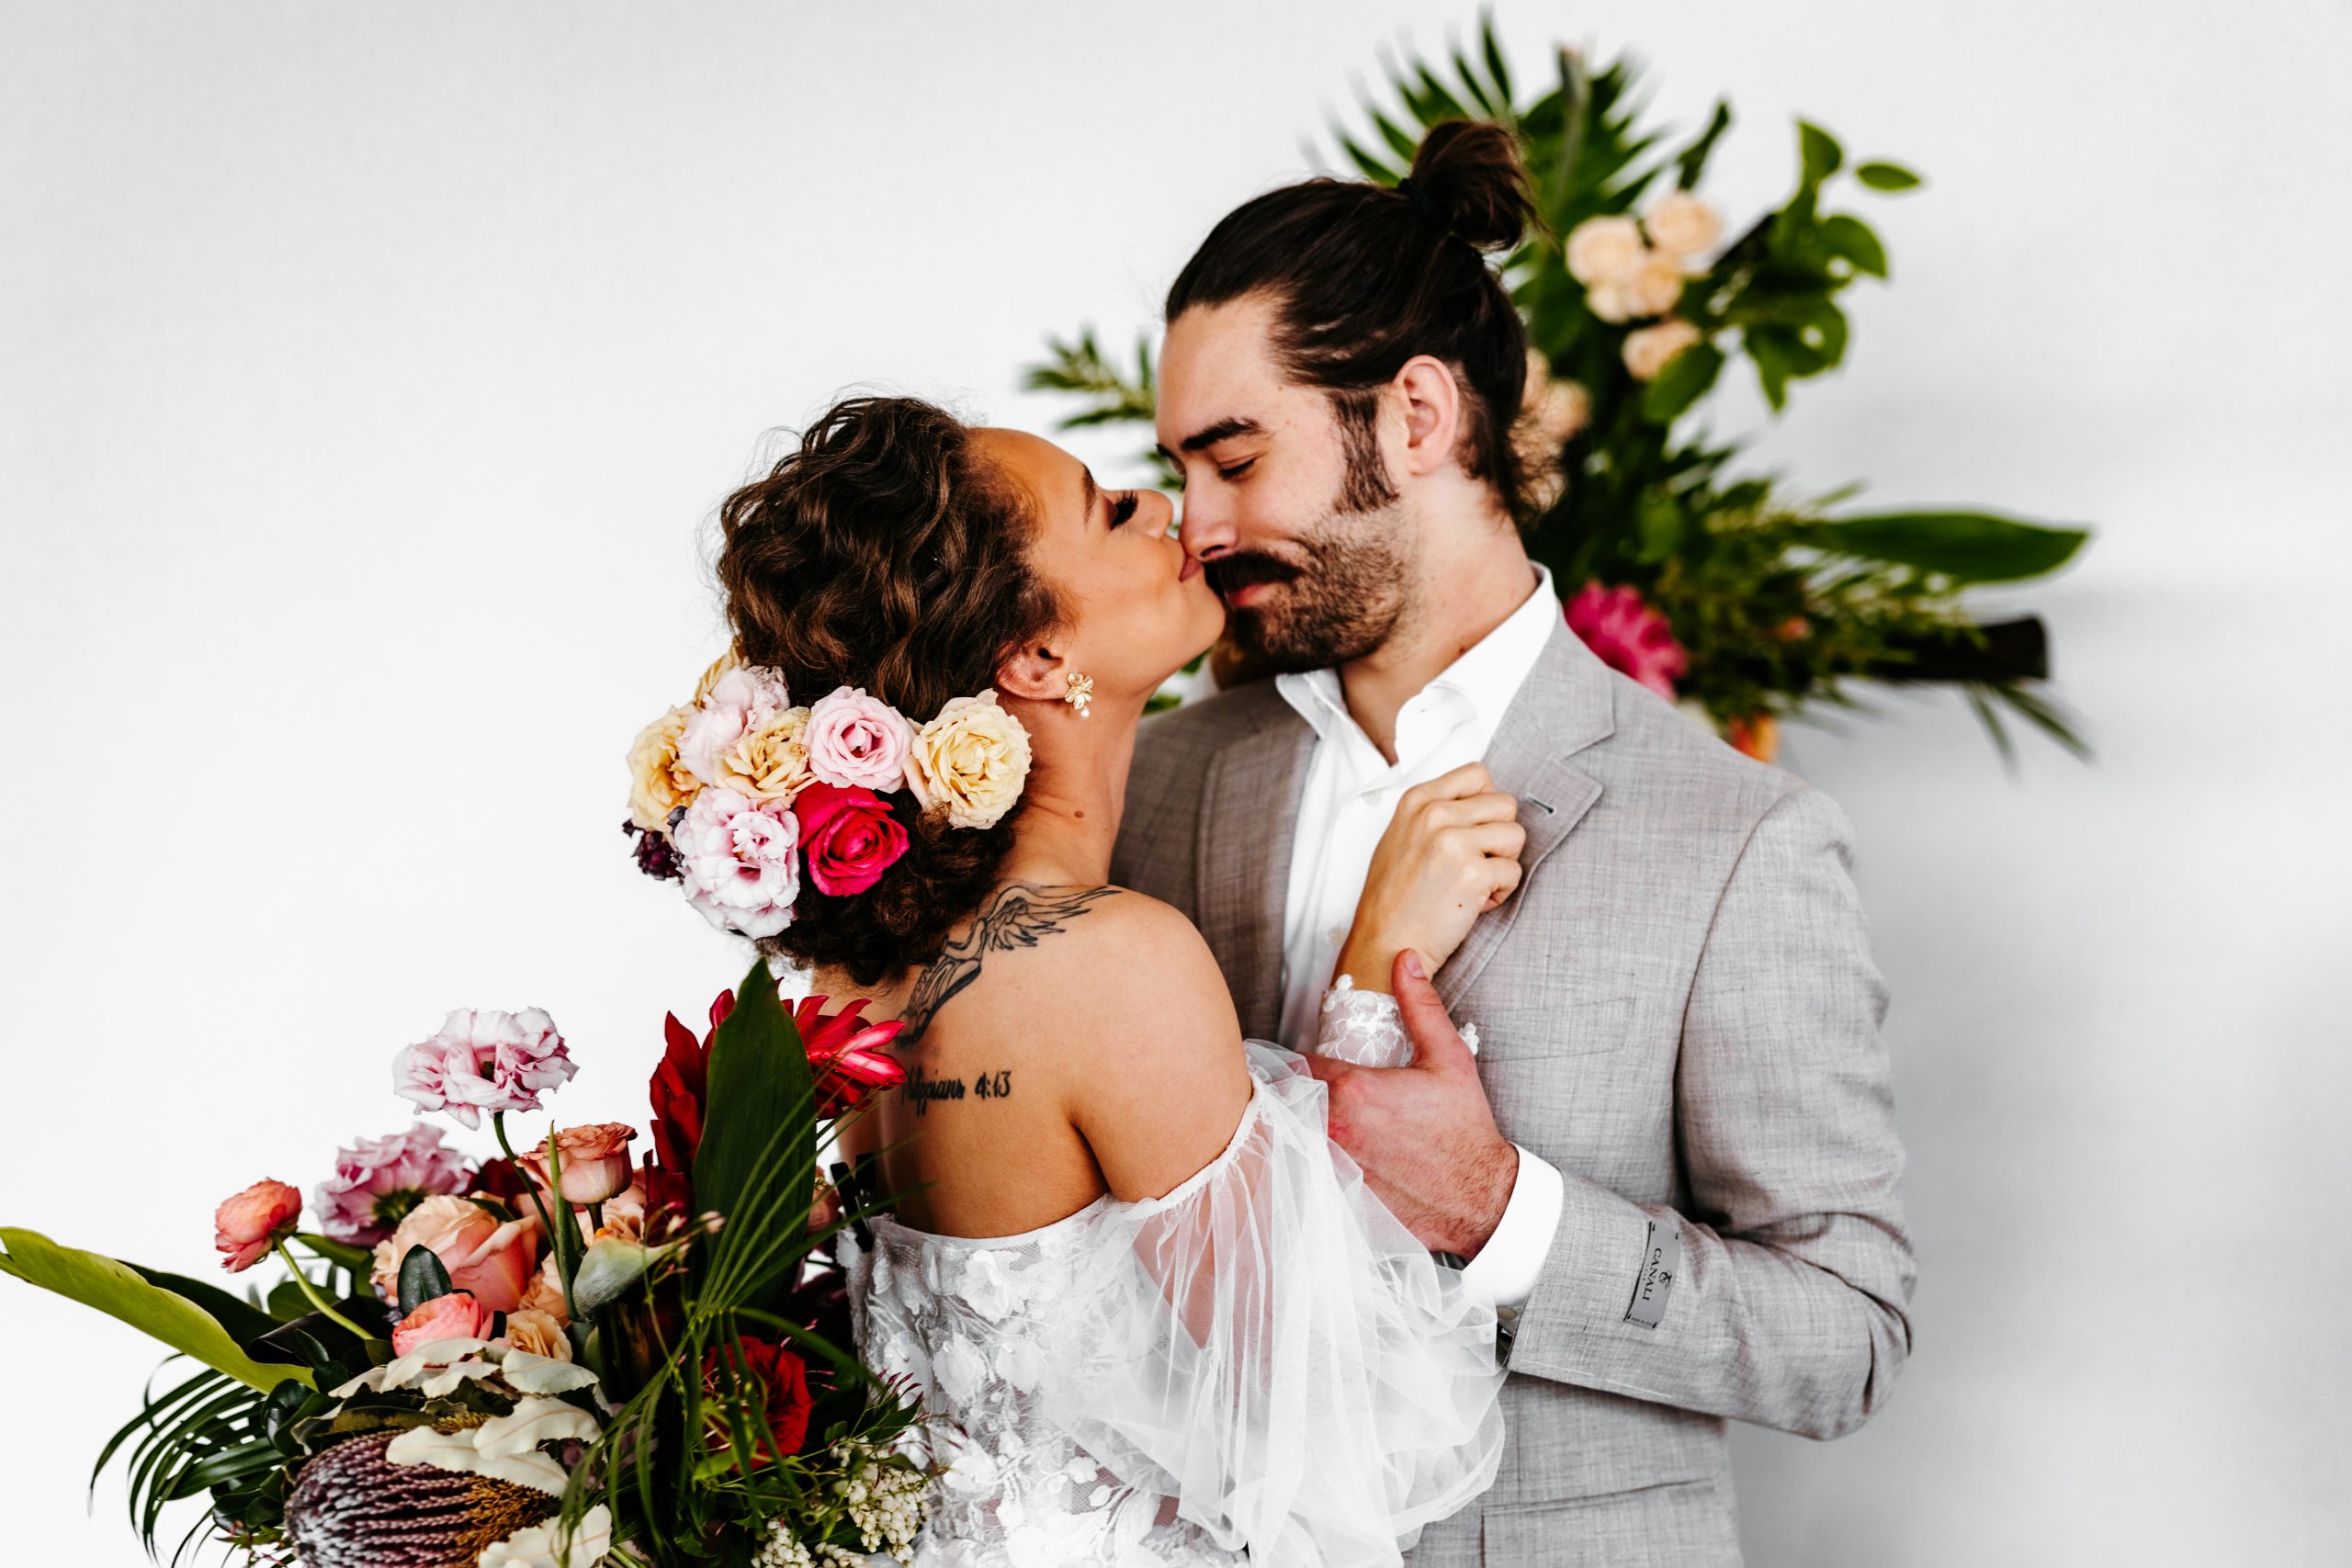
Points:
(1363, 277)
(884, 552)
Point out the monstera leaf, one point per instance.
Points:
(117, 1290)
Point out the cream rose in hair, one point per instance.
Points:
(739, 702)
(771, 763)
(658, 783)
(970, 761)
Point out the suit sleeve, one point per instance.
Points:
(1788, 1305)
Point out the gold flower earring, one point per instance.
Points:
(1081, 692)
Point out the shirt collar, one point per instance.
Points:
(1486, 677)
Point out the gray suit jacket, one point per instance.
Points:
(1678, 1010)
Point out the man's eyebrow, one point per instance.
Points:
(1222, 429)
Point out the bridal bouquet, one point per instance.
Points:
(550, 1358)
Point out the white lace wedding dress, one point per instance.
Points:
(1260, 1366)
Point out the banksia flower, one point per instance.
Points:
(352, 1507)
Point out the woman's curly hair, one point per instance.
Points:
(886, 553)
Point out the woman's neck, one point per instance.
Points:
(1077, 786)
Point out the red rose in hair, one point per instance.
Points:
(785, 1379)
(850, 837)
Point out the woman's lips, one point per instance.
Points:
(1190, 569)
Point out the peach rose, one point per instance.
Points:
(772, 762)
(593, 1162)
(536, 1332)
(248, 1225)
(1649, 349)
(490, 1256)
(1681, 224)
(1655, 286)
(969, 761)
(658, 783)
(454, 1317)
(1605, 250)
(545, 1294)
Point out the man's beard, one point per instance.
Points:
(1341, 604)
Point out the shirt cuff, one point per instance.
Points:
(1505, 1271)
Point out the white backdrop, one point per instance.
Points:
(367, 376)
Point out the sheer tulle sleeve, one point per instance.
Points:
(1269, 1348)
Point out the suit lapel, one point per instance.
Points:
(1248, 823)
(1565, 706)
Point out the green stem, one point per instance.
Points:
(324, 1307)
(555, 1237)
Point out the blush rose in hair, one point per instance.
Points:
(454, 1317)
(857, 741)
(850, 837)
(249, 1223)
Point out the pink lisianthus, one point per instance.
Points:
(593, 1162)
(483, 1060)
(850, 837)
(857, 741)
(248, 1225)
(1628, 636)
(494, 1259)
(741, 700)
(377, 1180)
(740, 861)
(454, 1317)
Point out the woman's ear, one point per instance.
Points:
(1432, 414)
(1034, 673)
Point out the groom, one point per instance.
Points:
(1672, 1161)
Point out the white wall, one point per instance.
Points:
(368, 375)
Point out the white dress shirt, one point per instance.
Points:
(1349, 794)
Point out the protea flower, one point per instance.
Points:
(845, 1055)
(352, 1507)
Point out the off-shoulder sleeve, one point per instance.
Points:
(1269, 1347)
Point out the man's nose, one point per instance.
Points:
(1207, 529)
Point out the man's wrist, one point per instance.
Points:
(1491, 1189)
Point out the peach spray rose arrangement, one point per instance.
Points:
(560, 1353)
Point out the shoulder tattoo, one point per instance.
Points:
(1018, 916)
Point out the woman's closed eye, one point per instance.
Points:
(1124, 507)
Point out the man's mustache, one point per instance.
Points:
(1227, 573)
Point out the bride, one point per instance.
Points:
(1154, 1314)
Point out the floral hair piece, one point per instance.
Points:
(735, 793)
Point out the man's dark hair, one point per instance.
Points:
(1363, 277)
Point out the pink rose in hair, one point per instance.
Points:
(1628, 636)
(494, 1259)
(739, 862)
(377, 1180)
(850, 836)
(247, 1225)
(857, 741)
(740, 702)
(483, 1060)
(454, 1317)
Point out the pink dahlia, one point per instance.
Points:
(739, 861)
(1628, 636)
(377, 1180)
(483, 1060)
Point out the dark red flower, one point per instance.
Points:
(681, 1083)
(655, 857)
(845, 1054)
(782, 1392)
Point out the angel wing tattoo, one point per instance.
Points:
(1019, 915)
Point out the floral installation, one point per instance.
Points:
(745, 800)
(575, 1351)
(1755, 603)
